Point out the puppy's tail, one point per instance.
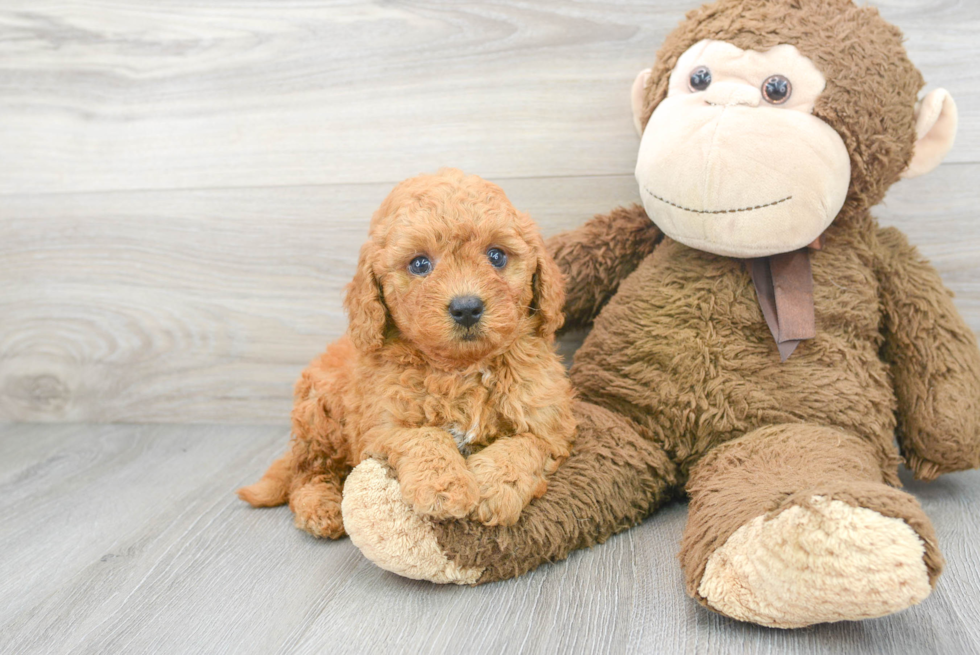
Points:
(273, 488)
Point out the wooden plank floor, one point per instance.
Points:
(129, 539)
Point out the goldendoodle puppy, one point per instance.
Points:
(447, 370)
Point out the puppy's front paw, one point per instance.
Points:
(500, 506)
(446, 494)
(504, 493)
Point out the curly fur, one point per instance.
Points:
(409, 385)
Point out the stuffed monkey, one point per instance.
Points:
(758, 341)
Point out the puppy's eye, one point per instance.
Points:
(497, 257)
(421, 265)
(776, 90)
(700, 78)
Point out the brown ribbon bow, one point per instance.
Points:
(784, 285)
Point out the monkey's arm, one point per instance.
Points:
(934, 361)
(597, 256)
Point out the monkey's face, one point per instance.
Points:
(733, 161)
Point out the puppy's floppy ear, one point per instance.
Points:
(549, 292)
(364, 304)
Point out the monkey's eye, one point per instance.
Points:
(700, 78)
(776, 90)
(421, 265)
(497, 257)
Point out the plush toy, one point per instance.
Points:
(758, 340)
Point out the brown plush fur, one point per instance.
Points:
(407, 378)
(774, 468)
(681, 358)
(871, 84)
(613, 479)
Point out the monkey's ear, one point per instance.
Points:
(365, 308)
(935, 130)
(638, 97)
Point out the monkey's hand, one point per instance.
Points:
(597, 256)
(934, 361)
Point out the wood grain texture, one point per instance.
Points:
(204, 305)
(115, 94)
(184, 185)
(198, 305)
(128, 539)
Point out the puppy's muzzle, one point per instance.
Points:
(466, 310)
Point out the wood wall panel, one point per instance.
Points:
(184, 185)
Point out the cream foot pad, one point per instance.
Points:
(829, 562)
(390, 534)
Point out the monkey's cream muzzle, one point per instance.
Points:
(725, 171)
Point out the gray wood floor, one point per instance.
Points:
(129, 539)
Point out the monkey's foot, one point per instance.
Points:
(827, 561)
(390, 534)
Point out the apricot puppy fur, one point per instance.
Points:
(447, 371)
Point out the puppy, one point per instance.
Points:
(447, 371)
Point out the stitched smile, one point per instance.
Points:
(715, 211)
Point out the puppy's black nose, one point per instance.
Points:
(466, 310)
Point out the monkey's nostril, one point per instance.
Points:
(466, 310)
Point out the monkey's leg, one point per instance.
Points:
(612, 480)
(793, 525)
